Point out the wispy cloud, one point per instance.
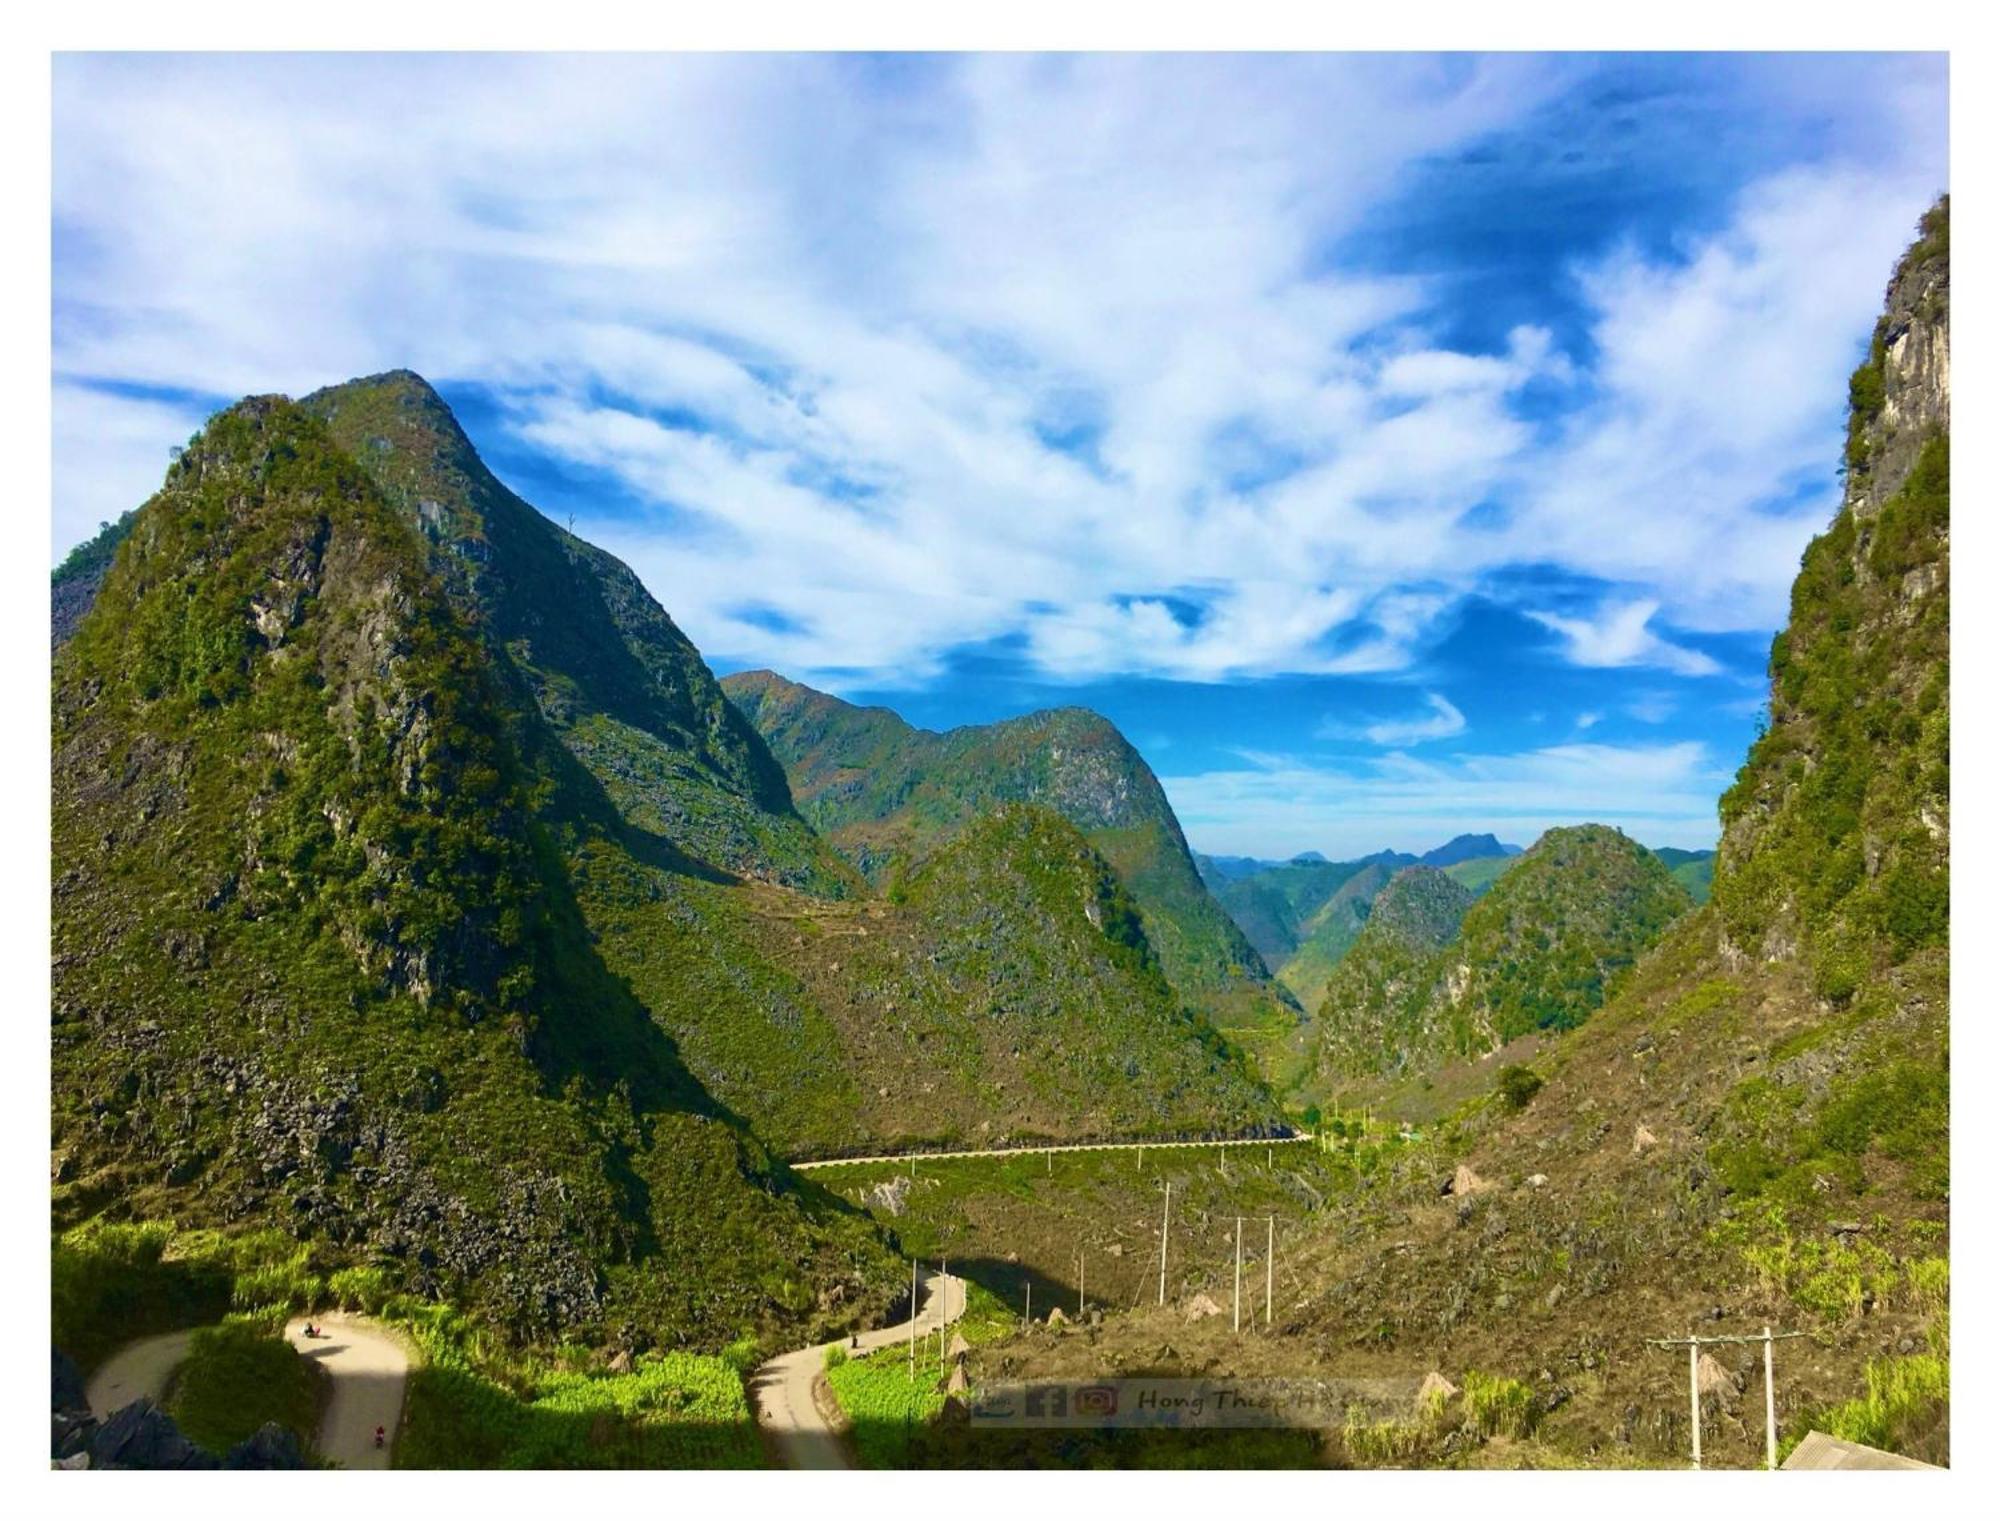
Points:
(1619, 635)
(1441, 721)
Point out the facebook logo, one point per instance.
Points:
(1048, 1401)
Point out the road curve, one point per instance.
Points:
(1036, 1151)
(781, 1391)
(137, 1370)
(366, 1367)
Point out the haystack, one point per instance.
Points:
(1201, 1306)
(1434, 1387)
(1466, 1181)
(1713, 1381)
(1643, 1140)
(1057, 1318)
(957, 1383)
(959, 1346)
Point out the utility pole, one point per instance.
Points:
(1770, 1408)
(1270, 1256)
(1694, 1396)
(1694, 1344)
(913, 1320)
(1164, 1209)
(1082, 1260)
(1236, 1304)
(1030, 1302)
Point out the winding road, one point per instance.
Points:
(782, 1390)
(366, 1368)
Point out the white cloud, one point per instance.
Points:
(1661, 794)
(1442, 722)
(1619, 636)
(113, 451)
(825, 330)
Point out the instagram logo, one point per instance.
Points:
(1097, 1399)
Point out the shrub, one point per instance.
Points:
(236, 1378)
(1518, 1086)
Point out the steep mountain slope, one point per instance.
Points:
(720, 926)
(315, 960)
(1330, 930)
(1756, 1129)
(887, 795)
(605, 667)
(1384, 997)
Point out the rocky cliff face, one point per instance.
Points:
(1835, 843)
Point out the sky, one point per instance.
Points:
(1392, 446)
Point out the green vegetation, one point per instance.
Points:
(473, 1403)
(1379, 1012)
(888, 796)
(1499, 1406)
(1518, 1086)
(318, 953)
(238, 1376)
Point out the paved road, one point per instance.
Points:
(1036, 1151)
(137, 1370)
(367, 1369)
(782, 1390)
(366, 1366)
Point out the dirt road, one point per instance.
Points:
(782, 1390)
(365, 1365)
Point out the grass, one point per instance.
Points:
(475, 1404)
(1499, 1406)
(237, 1378)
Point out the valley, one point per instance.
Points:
(437, 940)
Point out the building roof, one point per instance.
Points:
(1820, 1451)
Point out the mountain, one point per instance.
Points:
(1536, 951)
(1382, 998)
(683, 948)
(887, 795)
(1693, 869)
(1467, 847)
(1330, 930)
(1480, 872)
(317, 960)
(1756, 1128)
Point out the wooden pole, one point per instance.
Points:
(913, 1320)
(1770, 1407)
(1694, 1394)
(1031, 1301)
(1082, 1260)
(1236, 1304)
(1165, 1207)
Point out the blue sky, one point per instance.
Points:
(1392, 446)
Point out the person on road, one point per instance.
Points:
(381, 1436)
